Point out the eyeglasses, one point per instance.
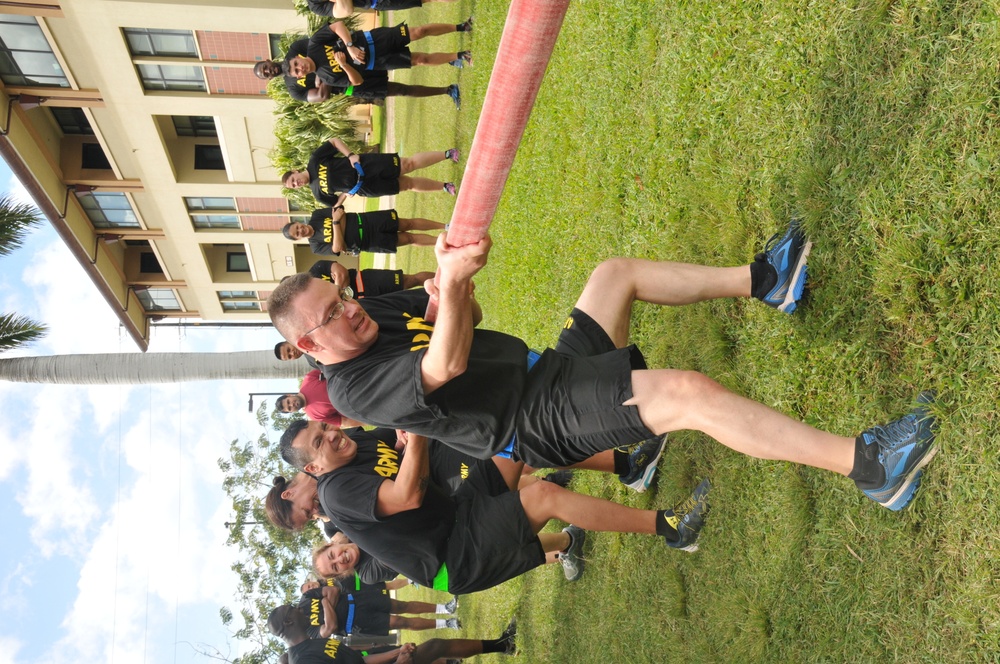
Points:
(346, 293)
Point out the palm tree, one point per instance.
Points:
(16, 219)
(146, 368)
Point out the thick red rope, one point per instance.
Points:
(529, 36)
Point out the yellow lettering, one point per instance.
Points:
(417, 323)
(314, 612)
(388, 461)
(328, 230)
(301, 82)
(331, 648)
(330, 59)
(463, 472)
(322, 178)
(420, 341)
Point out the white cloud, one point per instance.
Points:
(17, 191)
(61, 452)
(164, 545)
(79, 319)
(9, 647)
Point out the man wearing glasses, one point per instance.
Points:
(483, 393)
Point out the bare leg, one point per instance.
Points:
(419, 224)
(400, 622)
(434, 649)
(396, 584)
(414, 280)
(670, 400)
(423, 185)
(421, 160)
(404, 90)
(398, 606)
(416, 239)
(544, 500)
(617, 283)
(431, 30)
(511, 471)
(554, 542)
(418, 59)
(602, 461)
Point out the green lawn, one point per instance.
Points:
(692, 131)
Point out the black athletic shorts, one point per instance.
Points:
(371, 612)
(492, 540)
(381, 174)
(379, 232)
(390, 5)
(392, 49)
(572, 404)
(375, 87)
(378, 282)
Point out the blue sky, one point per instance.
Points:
(111, 499)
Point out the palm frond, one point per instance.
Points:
(15, 221)
(17, 330)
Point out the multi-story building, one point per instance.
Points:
(142, 134)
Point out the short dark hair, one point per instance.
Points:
(258, 69)
(277, 509)
(285, 176)
(277, 348)
(277, 402)
(286, 230)
(279, 304)
(276, 621)
(289, 453)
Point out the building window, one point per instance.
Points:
(277, 53)
(240, 306)
(72, 121)
(109, 210)
(148, 264)
(207, 221)
(195, 125)
(172, 77)
(92, 156)
(237, 261)
(166, 43)
(239, 300)
(158, 299)
(209, 158)
(25, 55)
(209, 203)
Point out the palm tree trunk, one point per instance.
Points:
(145, 368)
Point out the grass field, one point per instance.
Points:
(692, 131)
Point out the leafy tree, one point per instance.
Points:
(272, 563)
(16, 219)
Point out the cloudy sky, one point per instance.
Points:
(111, 500)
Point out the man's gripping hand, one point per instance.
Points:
(460, 264)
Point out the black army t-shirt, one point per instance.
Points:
(475, 412)
(330, 172)
(321, 241)
(323, 651)
(412, 542)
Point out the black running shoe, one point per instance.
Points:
(688, 518)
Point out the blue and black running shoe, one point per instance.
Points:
(455, 94)
(642, 460)
(903, 448)
(688, 518)
(786, 280)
